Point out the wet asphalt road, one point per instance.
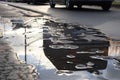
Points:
(11, 67)
(106, 21)
(35, 55)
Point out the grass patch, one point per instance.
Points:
(116, 3)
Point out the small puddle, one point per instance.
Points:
(61, 49)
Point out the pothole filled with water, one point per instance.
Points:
(62, 51)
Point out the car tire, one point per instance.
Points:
(79, 6)
(106, 6)
(34, 2)
(69, 5)
(28, 2)
(52, 5)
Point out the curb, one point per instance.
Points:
(28, 9)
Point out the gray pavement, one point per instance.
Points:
(11, 68)
(97, 19)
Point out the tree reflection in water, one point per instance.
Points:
(114, 49)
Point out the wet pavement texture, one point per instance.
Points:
(58, 51)
(11, 68)
(6, 11)
(61, 51)
(74, 45)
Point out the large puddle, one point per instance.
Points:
(62, 51)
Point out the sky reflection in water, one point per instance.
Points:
(86, 66)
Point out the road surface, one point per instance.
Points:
(35, 54)
(91, 16)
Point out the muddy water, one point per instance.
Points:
(61, 56)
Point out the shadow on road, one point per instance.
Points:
(85, 9)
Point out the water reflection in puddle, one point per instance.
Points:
(65, 46)
(70, 56)
(114, 49)
(82, 67)
(64, 72)
(69, 62)
(62, 54)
